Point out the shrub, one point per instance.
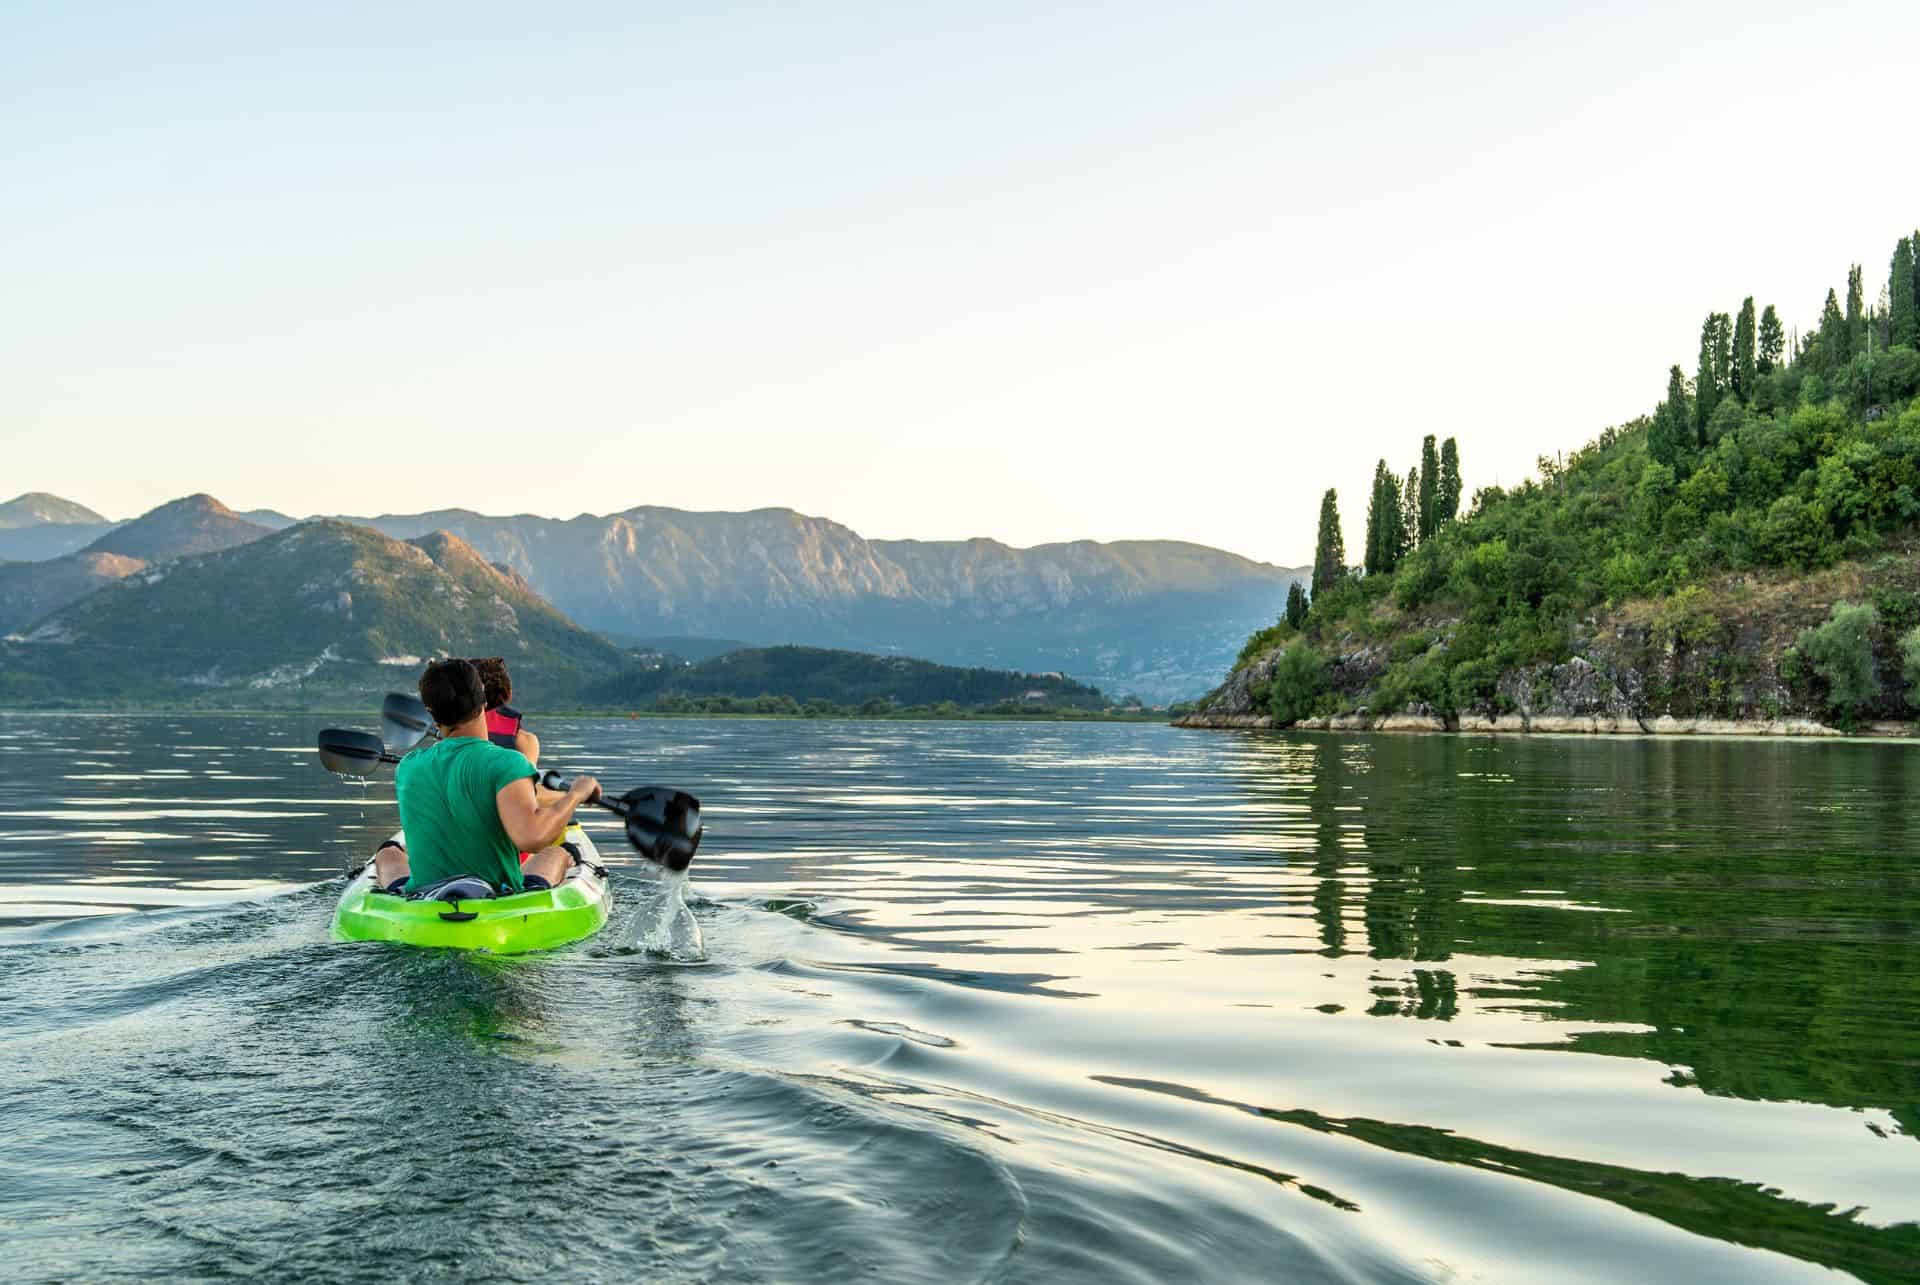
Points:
(1472, 684)
(1910, 663)
(1259, 644)
(1299, 676)
(1840, 651)
(1795, 533)
(1899, 610)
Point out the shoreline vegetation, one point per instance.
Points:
(1743, 560)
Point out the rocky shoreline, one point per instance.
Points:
(1549, 724)
(1605, 695)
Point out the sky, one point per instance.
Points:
(1034, 272)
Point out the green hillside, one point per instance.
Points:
(790, 677)
(1743, 551)
(319, 611)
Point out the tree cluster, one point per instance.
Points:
(1403, 516)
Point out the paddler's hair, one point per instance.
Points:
(452, 691)
(493, 676)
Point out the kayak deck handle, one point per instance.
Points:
(457, 916)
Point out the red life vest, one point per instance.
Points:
(503, 724)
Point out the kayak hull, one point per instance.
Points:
(512, 925)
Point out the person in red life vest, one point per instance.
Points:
(503, 720)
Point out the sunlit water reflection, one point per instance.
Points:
(982, 1002)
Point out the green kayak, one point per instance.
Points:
(509, 925)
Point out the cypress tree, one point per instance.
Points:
(1856, 312)
(1773, 340)
(1429, 489)
(1915, 242)
(1296, 605)
(1743, 356)
(1900, 296)
(1329, 550)
(1409, 515)
(1722, 355)
(1670, 428)
(1834, 349)
(1703, 385)
(1448, 492)
(1383, 509)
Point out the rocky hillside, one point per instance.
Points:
(1724, 659)
(1159, 618)
(317, 612)
(195, 524)
(30, 590)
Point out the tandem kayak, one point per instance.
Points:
(505, 925)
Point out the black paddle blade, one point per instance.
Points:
(404, 722)
(351, 753)
(663, 825)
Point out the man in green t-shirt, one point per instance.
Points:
(470, 807)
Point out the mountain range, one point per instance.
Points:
(1154, 618)
(317, 612)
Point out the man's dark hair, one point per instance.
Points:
(452, 691)
(494, 677)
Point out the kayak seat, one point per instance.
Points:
(458, 888)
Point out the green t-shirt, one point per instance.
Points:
(448, 813)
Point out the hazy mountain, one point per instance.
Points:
(37, 526)
(319, 609)
(272, 519)
(192, 524)
(49, 539)
(195, 524)
(37, 508)
(1160, 618)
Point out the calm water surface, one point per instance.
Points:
(1004, 1002)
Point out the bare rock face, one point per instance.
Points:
(1244, 694)
(1577, 696)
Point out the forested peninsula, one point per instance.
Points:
(1741, 559)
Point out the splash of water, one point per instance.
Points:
(667, 926)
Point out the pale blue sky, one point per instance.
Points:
(1034, 272)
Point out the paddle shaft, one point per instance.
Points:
(552, 780)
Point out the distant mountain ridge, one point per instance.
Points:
(1155, 618)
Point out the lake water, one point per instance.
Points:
(982, 1002)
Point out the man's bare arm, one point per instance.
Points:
(534, 824)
